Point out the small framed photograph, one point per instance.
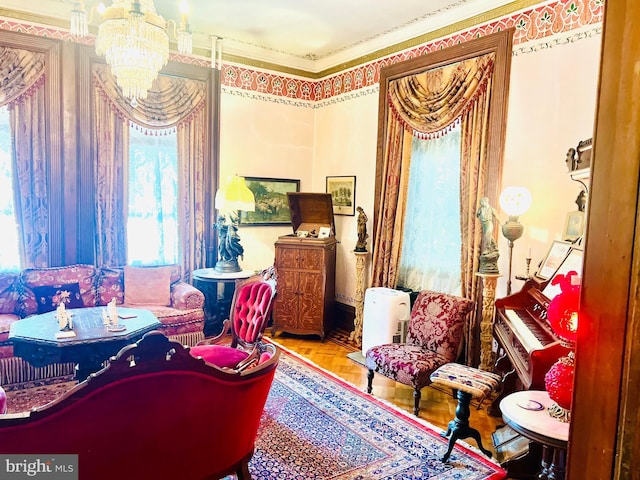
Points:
(556, 255)
(343, 194)
(573, 226)
(324, 232)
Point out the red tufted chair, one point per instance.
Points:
(235, 346)
(434, 337)
(3, 401)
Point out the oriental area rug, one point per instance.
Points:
(318, 427)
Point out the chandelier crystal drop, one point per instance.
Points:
(134, 41)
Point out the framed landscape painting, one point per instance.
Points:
(272, 206)
(343, 194)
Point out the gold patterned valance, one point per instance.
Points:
(431, 102)
(20, 71)
(170, 102)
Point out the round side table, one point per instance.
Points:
(218, 289)
(526, 413)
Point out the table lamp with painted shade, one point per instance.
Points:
(232, 197)
(514, 201)
(562, 314)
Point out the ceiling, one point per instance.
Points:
(309, 35)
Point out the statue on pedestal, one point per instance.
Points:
(489, 250)
(361, 244)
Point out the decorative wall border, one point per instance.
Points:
(536, 23)
(558, 40)
(265, 97)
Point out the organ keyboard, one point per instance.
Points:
(527, 345)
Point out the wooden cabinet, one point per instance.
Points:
(306, 285)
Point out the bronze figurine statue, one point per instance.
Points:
(489, 250)
(361, 244)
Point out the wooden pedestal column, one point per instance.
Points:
(356, 335)
(489, 282)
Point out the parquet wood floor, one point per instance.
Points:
(436, 407)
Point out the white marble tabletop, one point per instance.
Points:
(210, 273)
(526, 412)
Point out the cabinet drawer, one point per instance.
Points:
(286, 258)
(311, 259)
(300, 258)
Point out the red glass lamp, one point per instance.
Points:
(563, 318)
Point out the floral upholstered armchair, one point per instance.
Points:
(434, 338)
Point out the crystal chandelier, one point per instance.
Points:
(134, 40)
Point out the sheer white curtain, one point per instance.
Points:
(9, 251)
(152, 221)
(431, 247)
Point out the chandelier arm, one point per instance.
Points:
(181, 34)
(174, 27)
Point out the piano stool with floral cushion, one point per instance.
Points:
(176, 304)
(469, 383)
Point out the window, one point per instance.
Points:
(152, 221)
(431, 245)
(9, 251)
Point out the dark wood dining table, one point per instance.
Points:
(34, 338)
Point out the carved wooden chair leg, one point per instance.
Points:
(369, 381)
(417, 394)
(243, 472)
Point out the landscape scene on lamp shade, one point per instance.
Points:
(272, 206)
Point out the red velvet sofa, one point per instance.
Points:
(164, 415)
(182, 319)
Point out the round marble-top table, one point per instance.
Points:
(526, 413)
(218, 289)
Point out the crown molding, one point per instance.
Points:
(307, 68)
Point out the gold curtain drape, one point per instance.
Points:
(191, 145)
(173, 104)
(426, 105)
(110, 139)
(170, 102)
(22, 91)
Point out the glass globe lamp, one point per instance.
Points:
(563, 319)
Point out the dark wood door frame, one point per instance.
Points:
(604, 437)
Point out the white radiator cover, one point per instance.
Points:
(385, 317)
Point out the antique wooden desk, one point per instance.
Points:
(218, 289)
(526, 413)
(34, 338)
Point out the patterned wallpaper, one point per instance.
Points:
(536, 23)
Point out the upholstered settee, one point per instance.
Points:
(164, 415)
(177, 304)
